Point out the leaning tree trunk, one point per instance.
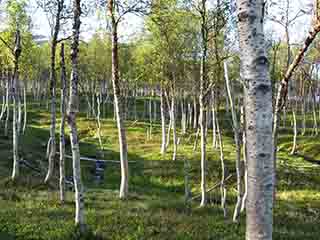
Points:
(236, 131)
(118, 103)
(15, 94)
(223, 187)
(283, 88)
(73, 109)
(258, 102)
(62, 125)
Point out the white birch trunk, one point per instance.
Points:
(118, 104)
(73, 109)
(259, 115)
(25, 113)
(236, 130)
(174, 130)
(17, 53)
(163, 122)
(62, 144)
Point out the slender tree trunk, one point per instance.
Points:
(169, 129)
(5, 90)
(118, 103)
(223, 187)
(99, 124)
(73, 109)
(303, 110)
(202, 102)
(163, 122)
(8, 97)
(214, 125)
(53, 77)
(19, 114)
(295, 128)
(195, 114)
(174, 130)
(236, 131)
(258, 102)
(183, 114)
(150, 117)
(244, 153)
(190, 115)
(15, 92)
(62, 125)
(314, 112)
(25, 114)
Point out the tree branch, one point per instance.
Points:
(7, 44)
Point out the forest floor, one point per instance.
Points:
(156, 208)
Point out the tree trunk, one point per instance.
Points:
(15, 94)
(98, 97)
(202, 102)
(195, 114)
(236, 131)
(53, 77)
(19, 119)
(150, 117)
(214, 128)
(223, 187)
(314, 112)
(295, 128)
(62, 125)
(73, 109)
(8, 97)
(258, 102)
(174, 130)
(25, 108)
(118, 103)
(163, 122)
(245, 162)
(190, 115)
(4, 103)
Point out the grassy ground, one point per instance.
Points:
(156, 208)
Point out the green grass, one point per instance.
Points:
(156, 208)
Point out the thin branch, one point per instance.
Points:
(7, 45)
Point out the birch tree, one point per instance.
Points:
(62, 124)
(73, 109)
(282, 91)
(54, 9)
(259, 113)
(236, 131)
(15, 93)
(16, 27)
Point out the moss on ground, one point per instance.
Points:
(156, 208)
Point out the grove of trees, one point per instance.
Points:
(199, 72)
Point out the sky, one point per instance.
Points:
(130, 26)
(133, 25)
